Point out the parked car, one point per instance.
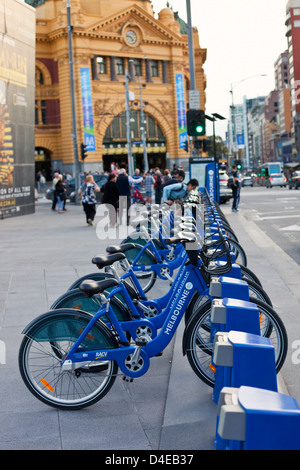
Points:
(247, 181)
(225, 192)
(276, 179)
(294, 182)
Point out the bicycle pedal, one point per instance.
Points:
(141, 341)
(127, 379)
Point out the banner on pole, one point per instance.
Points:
(181, 111)
(87, 109)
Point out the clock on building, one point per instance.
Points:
(131, 37)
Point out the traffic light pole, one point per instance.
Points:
(74, 126)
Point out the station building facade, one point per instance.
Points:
(112, 41)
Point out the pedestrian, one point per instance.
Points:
(167, 175)
(125, 195)
(177, 177)
(111, 198)
(148, 182)
(42, 183)
(136, 181)
(87, 193)
(54, 198)
(236, 188)
(158, 186)
(177, 193)
(60, 190)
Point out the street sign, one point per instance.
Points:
(194, 99)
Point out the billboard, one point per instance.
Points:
(17, 92)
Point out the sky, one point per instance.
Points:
(243, 40)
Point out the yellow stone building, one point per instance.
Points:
(112, 40)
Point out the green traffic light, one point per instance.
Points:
(199, 129)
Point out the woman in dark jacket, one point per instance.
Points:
(111, 198)
(60, 192)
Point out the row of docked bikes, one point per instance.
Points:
(110, 323)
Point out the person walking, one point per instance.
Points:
(111, 198)
(60, 190)
(136, 182)
(158, 186)
(54, 198)
(236, 188)
(149, 181)
(125, 195)
(87, 193)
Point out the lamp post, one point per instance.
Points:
(143, 129)
(74, 126)
(213, 119)
(127, 109)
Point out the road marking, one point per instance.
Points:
(291, 228)
(279, 217)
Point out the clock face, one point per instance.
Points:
(131, 37)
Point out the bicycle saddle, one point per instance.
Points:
(188, 226)
(181, 237)
(113, 249)
(137, 222)
(102, 261)
(90, 287)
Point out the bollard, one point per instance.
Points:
(251, 418)
(243, 359)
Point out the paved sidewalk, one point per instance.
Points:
(167, 409)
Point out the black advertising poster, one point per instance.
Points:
(17, 103)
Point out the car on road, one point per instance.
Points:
(294, 182)
(276, 179)
(225, 192)
(247, 181)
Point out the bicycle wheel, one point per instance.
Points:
(146, 278)
(198, 340)
(248, 274)
(40, 362)
(238, 251)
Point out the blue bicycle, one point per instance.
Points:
(69, 359)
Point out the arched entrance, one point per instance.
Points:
(115, 142)
(42, 158)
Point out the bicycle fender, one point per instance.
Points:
(33, 329)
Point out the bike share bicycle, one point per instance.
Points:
(69, 359)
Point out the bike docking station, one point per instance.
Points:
(251, 418)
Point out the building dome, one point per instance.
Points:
(166, 17)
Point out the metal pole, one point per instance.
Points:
(191, 45)
(143, 129)
(127, 109)
(74, 126)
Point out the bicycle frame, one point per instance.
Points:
(178, 303)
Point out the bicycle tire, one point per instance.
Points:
(198, 343)
(40, 367)
(239, 252)
(247, 273)
(146, 279)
